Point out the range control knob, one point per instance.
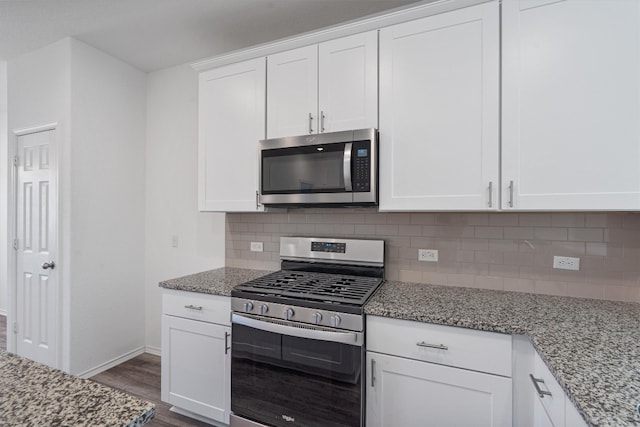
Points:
(288, 313)
(264, 308)
(248, 306)
(335, 320)
(317, 318)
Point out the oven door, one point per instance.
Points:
(285, 375)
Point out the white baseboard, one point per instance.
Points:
(153, 350)
(111, 363)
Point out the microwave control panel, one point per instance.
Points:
(361, 166)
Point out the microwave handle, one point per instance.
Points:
(346, 166)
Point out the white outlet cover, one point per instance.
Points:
(430, 255)
(566, 263)
(256, 247)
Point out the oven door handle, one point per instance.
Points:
(352, 338)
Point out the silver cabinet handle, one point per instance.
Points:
(541, 393)
(310, 123)
(193, 307)
(226, 342)
(438, 346)
(321, 121)
(373, 372)
(490, 194)
(346, 166)
(257, 200)
(510, 194)
(49, 265)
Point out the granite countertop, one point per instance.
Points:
(591, 346)
(216, 282)
(32, 394)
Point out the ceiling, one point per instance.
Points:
(156, 34)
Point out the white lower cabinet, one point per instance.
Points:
(421, 374)
(196, 356)
(405, 392)
(539, 400)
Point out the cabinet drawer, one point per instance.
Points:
(191, 305)
(465, 348)
(553, 403)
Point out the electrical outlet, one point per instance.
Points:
(566, 263)
(256, 246)
(428, 255)
(174, 241)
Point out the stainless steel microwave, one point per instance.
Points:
(332, 169)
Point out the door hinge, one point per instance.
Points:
(15, 327)
(16, 161)
(15, 244)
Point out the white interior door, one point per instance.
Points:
(36, 233)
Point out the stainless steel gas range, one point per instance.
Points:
(298, 335)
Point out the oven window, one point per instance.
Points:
(329, 359)
(310, 169)
(313, 383)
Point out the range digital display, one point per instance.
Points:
(328, 247)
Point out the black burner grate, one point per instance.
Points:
(335, 288)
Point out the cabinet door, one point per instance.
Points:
(540, 417)
(348, 83)
(292, 85)
(405, 392)
(231, 122)
(439, 112)
(196, 367)
(571, 103)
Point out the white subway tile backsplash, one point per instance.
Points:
(511, 251)
(550, 233)
(567, 220)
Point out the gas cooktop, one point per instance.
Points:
(313, 286)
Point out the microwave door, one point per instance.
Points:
(307, 174)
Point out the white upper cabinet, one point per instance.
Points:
(571, 105)
(439, 112)
(231, 122)
(348, 89)
(323, 88)
(292, 85)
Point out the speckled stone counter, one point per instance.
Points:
(216, 282)
(591, 346)
(32, 394)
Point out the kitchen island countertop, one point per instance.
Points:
(32, 394)
(591, 346)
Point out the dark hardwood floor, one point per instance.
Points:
(140, 377)
(3, 332)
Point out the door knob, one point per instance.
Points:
(49, 265)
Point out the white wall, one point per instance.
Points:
(99, 104)
(39, 93)
(4, 179)
(108, 116)
(171, 191)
